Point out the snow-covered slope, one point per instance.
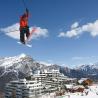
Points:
(87, 67)
(83, 71)
(9, 61)
(12, 68)
(15, 64)
(25, 64)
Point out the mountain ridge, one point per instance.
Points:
(16, 67)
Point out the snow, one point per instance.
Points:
(82, 79)
(69, 86)
(8, 63)
(91, 93)
(86, 67)
(89, 96)
(22, 55)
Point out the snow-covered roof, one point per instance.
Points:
(69, 85)
(82, 79)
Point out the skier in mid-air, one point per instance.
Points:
(24, 28)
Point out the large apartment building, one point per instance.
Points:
(22, 89)
(50, 79)
(41, 82)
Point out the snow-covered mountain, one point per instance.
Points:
(88, 67)
(12, 68)
(16, 67)
(15, 64)
(82, 71)
(21, 63)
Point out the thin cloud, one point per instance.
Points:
(77, 58)
(39, 32)
(13, 31)
(75, 25)
(45, 63)
(77, 31)
(84, 58)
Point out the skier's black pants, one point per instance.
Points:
(24, 31)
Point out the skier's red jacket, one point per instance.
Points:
(24, 21)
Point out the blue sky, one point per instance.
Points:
(68, 33)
